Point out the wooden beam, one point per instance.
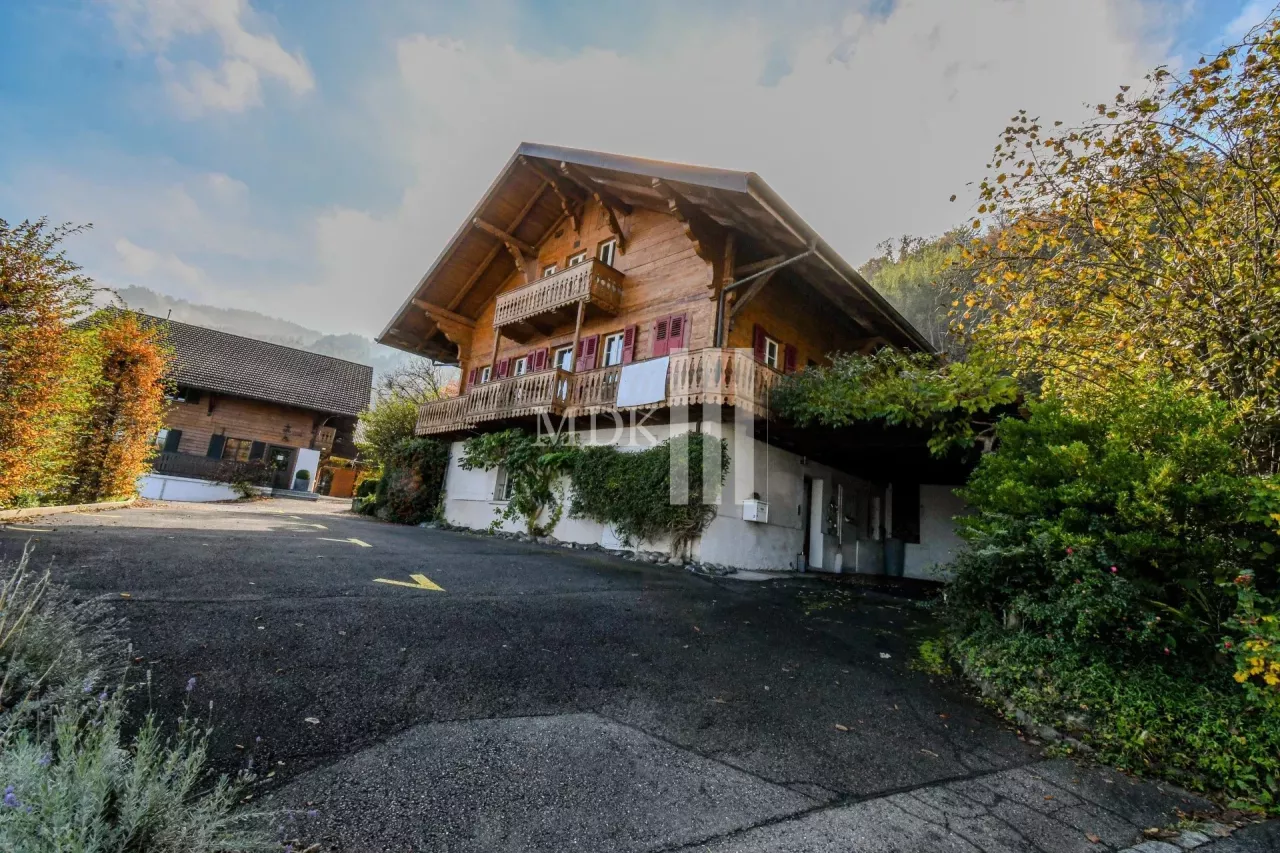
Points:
(572, 203)
(436, 311)
(607, 200)
(741, 299)
(708, 236)
(493, 253)
(504, 236)
(756, 266)
(577, 334)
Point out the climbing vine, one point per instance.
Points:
(632, 491)
(534, 466)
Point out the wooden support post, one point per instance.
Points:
(493, 359)
(577, 333)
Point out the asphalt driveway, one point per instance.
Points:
(544, 699)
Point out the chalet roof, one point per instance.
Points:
(231, 364)
(474, 265)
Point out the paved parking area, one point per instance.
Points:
(543, 699)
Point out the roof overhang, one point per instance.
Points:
(525, 200)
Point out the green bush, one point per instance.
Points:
(534, 467)
(631, 491)
(1120, 531)
(1162, 718)
(412, 482)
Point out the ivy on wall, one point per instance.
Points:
(631, 491)
(534, 468)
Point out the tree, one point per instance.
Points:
(921, 278)
(397, 395)
(114, 442)
(43, 364)
(1144, 242)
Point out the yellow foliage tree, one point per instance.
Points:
(1146, 241)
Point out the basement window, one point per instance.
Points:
(504, 487)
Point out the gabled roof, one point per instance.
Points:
(230, 364)
(473, 266)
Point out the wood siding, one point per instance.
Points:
(237, 417)
(791, 313)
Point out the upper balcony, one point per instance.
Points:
(541, 307)
(727, 377)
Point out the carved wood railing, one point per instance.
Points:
(729, 377)
(592, 280)
(714, 376)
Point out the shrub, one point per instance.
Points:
(631, 491)
(51, 648)
(80, 789)
(1118, 530)
(412, 481)
(1162, 718)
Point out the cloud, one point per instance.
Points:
(235, 84)
(138, 261)
(876, 122)
(1250, 16)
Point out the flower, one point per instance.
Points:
(10, 798)
(1114, 570)
(1070, 551)
(191, 684)
(45, 760)
(88, 686)
(102, 697)
(313, 813)
(1166, 650)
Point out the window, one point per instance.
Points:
(612, 350)
(162, 438)
(905, 509)
(608, 249)
(562, 357)
(548, 270)
(521, 366)
(771, 351)
(504, 487)
(484, 375)
(574, 260)
(237, 449)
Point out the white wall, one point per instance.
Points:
(162, 487)
(306, 460)
(939, 505)
(778, 477)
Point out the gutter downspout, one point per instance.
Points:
(724, 291)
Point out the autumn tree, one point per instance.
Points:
(397, 395)
(43, 391)
(114, 441)
(921, 278)
(1144, 242)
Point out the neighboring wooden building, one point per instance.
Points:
(241, 402)
(577, 268)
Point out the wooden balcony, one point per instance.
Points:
(539, 308)
(710, 376)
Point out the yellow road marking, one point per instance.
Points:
(419, 582)
(353, 541)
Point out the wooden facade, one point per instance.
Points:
(608, 261)
(203, 415)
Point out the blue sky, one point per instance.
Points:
(309, 159)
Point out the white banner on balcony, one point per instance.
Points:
(643, 383)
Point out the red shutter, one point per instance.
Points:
(629, 336)
(788, 359)
(503, 365)
(660, 343)
(678, 333)
(587, 353)
(471, 377)
(757, 341)
(540, 359)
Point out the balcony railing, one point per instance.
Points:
(712, 376)
(597, 283)
(206, 468)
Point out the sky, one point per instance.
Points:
(310, 158)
